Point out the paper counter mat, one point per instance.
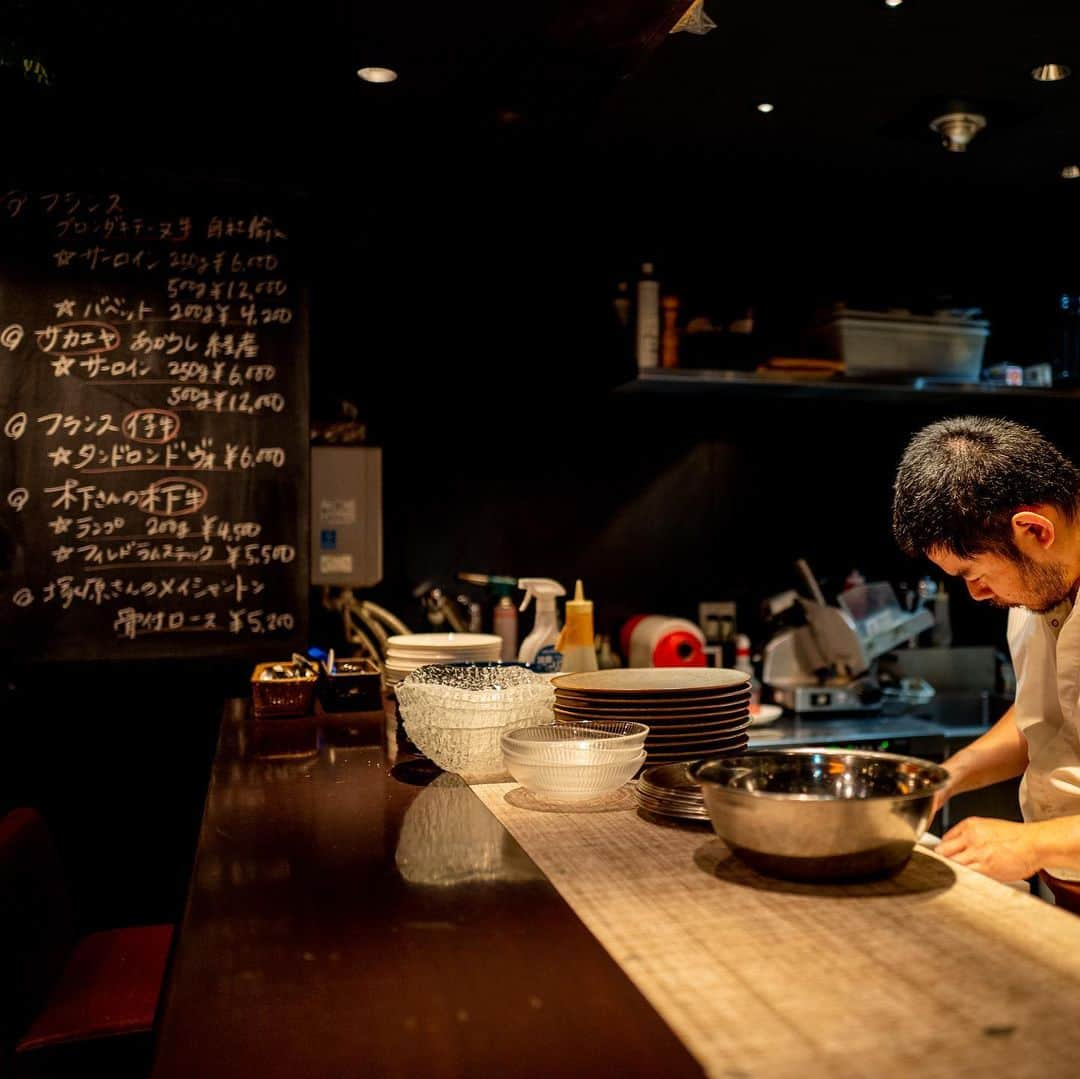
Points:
(936, 972)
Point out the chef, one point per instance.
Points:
(994, 503)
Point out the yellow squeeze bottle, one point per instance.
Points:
(576, 641)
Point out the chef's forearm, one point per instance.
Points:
(1057, 842)
(999, 754)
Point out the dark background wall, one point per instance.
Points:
(461, 284)
(493, 354)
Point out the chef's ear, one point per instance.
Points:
(1031, 527)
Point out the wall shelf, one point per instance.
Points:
(750, 385)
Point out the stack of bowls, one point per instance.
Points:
(572, 762)
(406, 652)
(691, 712)
(454, 714)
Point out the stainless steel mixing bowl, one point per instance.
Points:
(820, 814)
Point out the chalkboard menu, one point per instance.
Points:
(153, 428)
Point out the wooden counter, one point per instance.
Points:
(352, 913)
(349, 917)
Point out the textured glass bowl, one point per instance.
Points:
(456, 715)
(573, 782)
(576, 741)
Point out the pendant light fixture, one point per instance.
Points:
(957, 129)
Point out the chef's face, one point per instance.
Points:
(1008, 582)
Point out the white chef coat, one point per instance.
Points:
(1046, 656)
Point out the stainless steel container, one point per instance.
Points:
(820, 814)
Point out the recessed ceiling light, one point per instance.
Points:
(377, 74)
(893, 3)
(1071, 172)
(765, 106)
(1050, 72)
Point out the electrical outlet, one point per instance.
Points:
(713, 611)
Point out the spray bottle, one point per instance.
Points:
(576, 642)
(539, 647)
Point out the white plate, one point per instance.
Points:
(444, 641)
(766, 713)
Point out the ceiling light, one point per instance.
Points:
(893, 3)
(1050, 72)
(1071, 172)
(765, 106)
(957, 129)
(377, 74)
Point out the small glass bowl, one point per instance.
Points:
(563, 741)
(564, 782)
(579, 753)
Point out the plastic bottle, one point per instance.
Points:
(606, 657)
(744, 663)
(577, 641)
(504, 621)
(539, 647)
(647, 318)
(941, 631)
(622, 304)
(669, 337)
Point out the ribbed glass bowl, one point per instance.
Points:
(572, 753)
(456, 715)
(573, 782)
(588, 742)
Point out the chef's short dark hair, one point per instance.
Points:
(961, 480)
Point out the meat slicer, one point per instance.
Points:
(827, 663)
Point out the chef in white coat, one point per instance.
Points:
(994, 503)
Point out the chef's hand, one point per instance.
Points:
(999, 849)
(940, 798)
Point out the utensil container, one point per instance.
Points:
(872, 343)
(289, 695)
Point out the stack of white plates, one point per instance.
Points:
(691, 712)
(407, 651)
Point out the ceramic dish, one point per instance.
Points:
(766, 713)
(654, 700)
(651, 716)
(617, 711)
(674, 681)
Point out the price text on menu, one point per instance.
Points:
(154, 439)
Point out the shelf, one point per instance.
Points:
(747, 384)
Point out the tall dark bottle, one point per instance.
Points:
(1065, 339)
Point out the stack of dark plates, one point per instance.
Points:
(666, 790)
(691, 712)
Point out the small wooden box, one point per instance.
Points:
(354, 685)
(288, 696)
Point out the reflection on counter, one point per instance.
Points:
(449, 838)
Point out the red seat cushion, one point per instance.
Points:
(110, 985)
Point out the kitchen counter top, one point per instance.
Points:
(343, 922)
(353, 911)
(953, 717)
(796, 731)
